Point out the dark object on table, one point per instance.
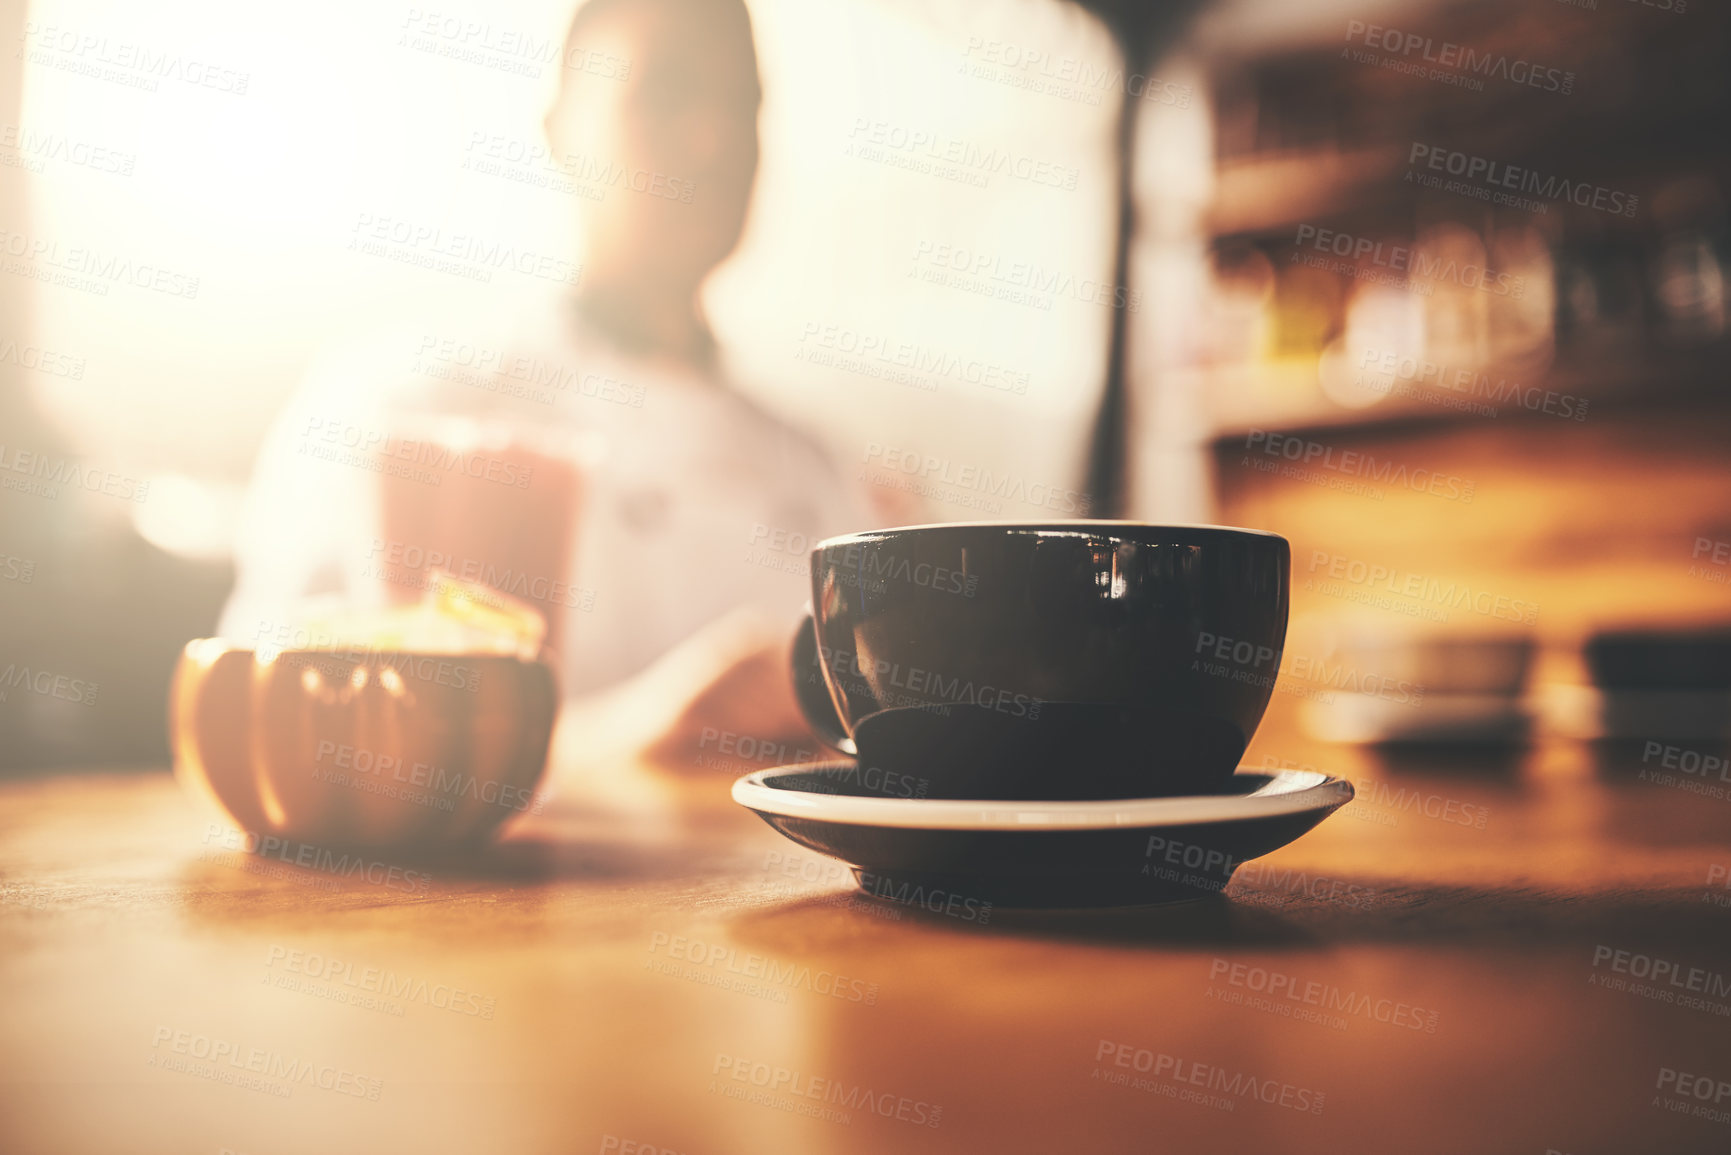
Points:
(1661, 659)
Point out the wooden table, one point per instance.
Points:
(644, 967)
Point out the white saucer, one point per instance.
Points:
(1264, 796)
(1049, 854)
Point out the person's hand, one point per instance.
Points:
(720, 704)
(744, 718)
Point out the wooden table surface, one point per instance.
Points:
(644, 967)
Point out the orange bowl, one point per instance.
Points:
(362, 748)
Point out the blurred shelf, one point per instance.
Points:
(1264, 192)
(1267, 195)
(1308, 135)
(1282, 398)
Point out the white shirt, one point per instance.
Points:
(701, 503)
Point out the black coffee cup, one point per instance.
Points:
(1058, 660)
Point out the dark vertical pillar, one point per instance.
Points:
(1143, 31)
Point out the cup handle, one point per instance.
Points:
(811, 688)
(210, 715)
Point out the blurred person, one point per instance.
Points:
(681, 580)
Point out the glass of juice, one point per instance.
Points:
(486, 501)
